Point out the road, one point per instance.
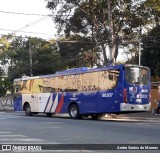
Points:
(16, 128)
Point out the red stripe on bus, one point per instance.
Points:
(59, 107)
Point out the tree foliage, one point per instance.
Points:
(45, 57)
(78, 53)
(90, 18)
(150, 53)
(154, 4)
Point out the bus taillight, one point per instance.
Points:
(125, 95)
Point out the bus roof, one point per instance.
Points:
(75, 71)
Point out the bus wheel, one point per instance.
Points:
(95, 116)
(27, 110)
(74, 111)
(49, 114)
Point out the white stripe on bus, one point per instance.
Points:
(49, 103)
(55, 104)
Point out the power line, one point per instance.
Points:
(13, 31)
(20, 13)
(30, 24)
(27, 26)
(24, 13)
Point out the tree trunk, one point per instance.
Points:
(104, 55)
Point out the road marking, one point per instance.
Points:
(57, 127)
(9, 137)
(51, 122)
(8, 117)
(5, 132)
(4, 136)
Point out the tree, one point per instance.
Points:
(81, 52)
(150, 52)
(45, 57)
(4, 82)
(154, 4)
(90, 19)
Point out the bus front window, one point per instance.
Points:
(137, 75)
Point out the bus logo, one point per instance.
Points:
(133, 91)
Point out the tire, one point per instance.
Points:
(49, 114)
(74, 111)
(27, 110)
(95, 116)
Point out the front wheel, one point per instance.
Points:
(27, 110)
(74, 111)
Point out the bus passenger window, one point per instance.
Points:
(109, 82)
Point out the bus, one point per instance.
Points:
(89, 92)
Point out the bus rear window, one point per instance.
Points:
(137, 75)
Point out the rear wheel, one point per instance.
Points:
(27, 110)
(74, 111)
(49, 114)
(95, 116)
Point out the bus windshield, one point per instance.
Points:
(137, 75)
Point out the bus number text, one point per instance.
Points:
(107, 94)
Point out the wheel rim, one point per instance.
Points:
(28, 110)
(74, 111)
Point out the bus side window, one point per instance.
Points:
(109, 82)
(46, 89)
(110, 76)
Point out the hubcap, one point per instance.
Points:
(28, 110)
(73, 111)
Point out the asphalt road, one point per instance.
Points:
(16, 128)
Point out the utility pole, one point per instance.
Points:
(110, 28)
(139, 52)
(30, 58)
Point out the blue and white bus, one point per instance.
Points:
(85, 92)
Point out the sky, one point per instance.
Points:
(36, 26)
(33, 25)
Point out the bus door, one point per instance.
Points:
(136, 85)
(45, 102)
(34, 102)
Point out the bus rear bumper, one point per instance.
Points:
(130, 107)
